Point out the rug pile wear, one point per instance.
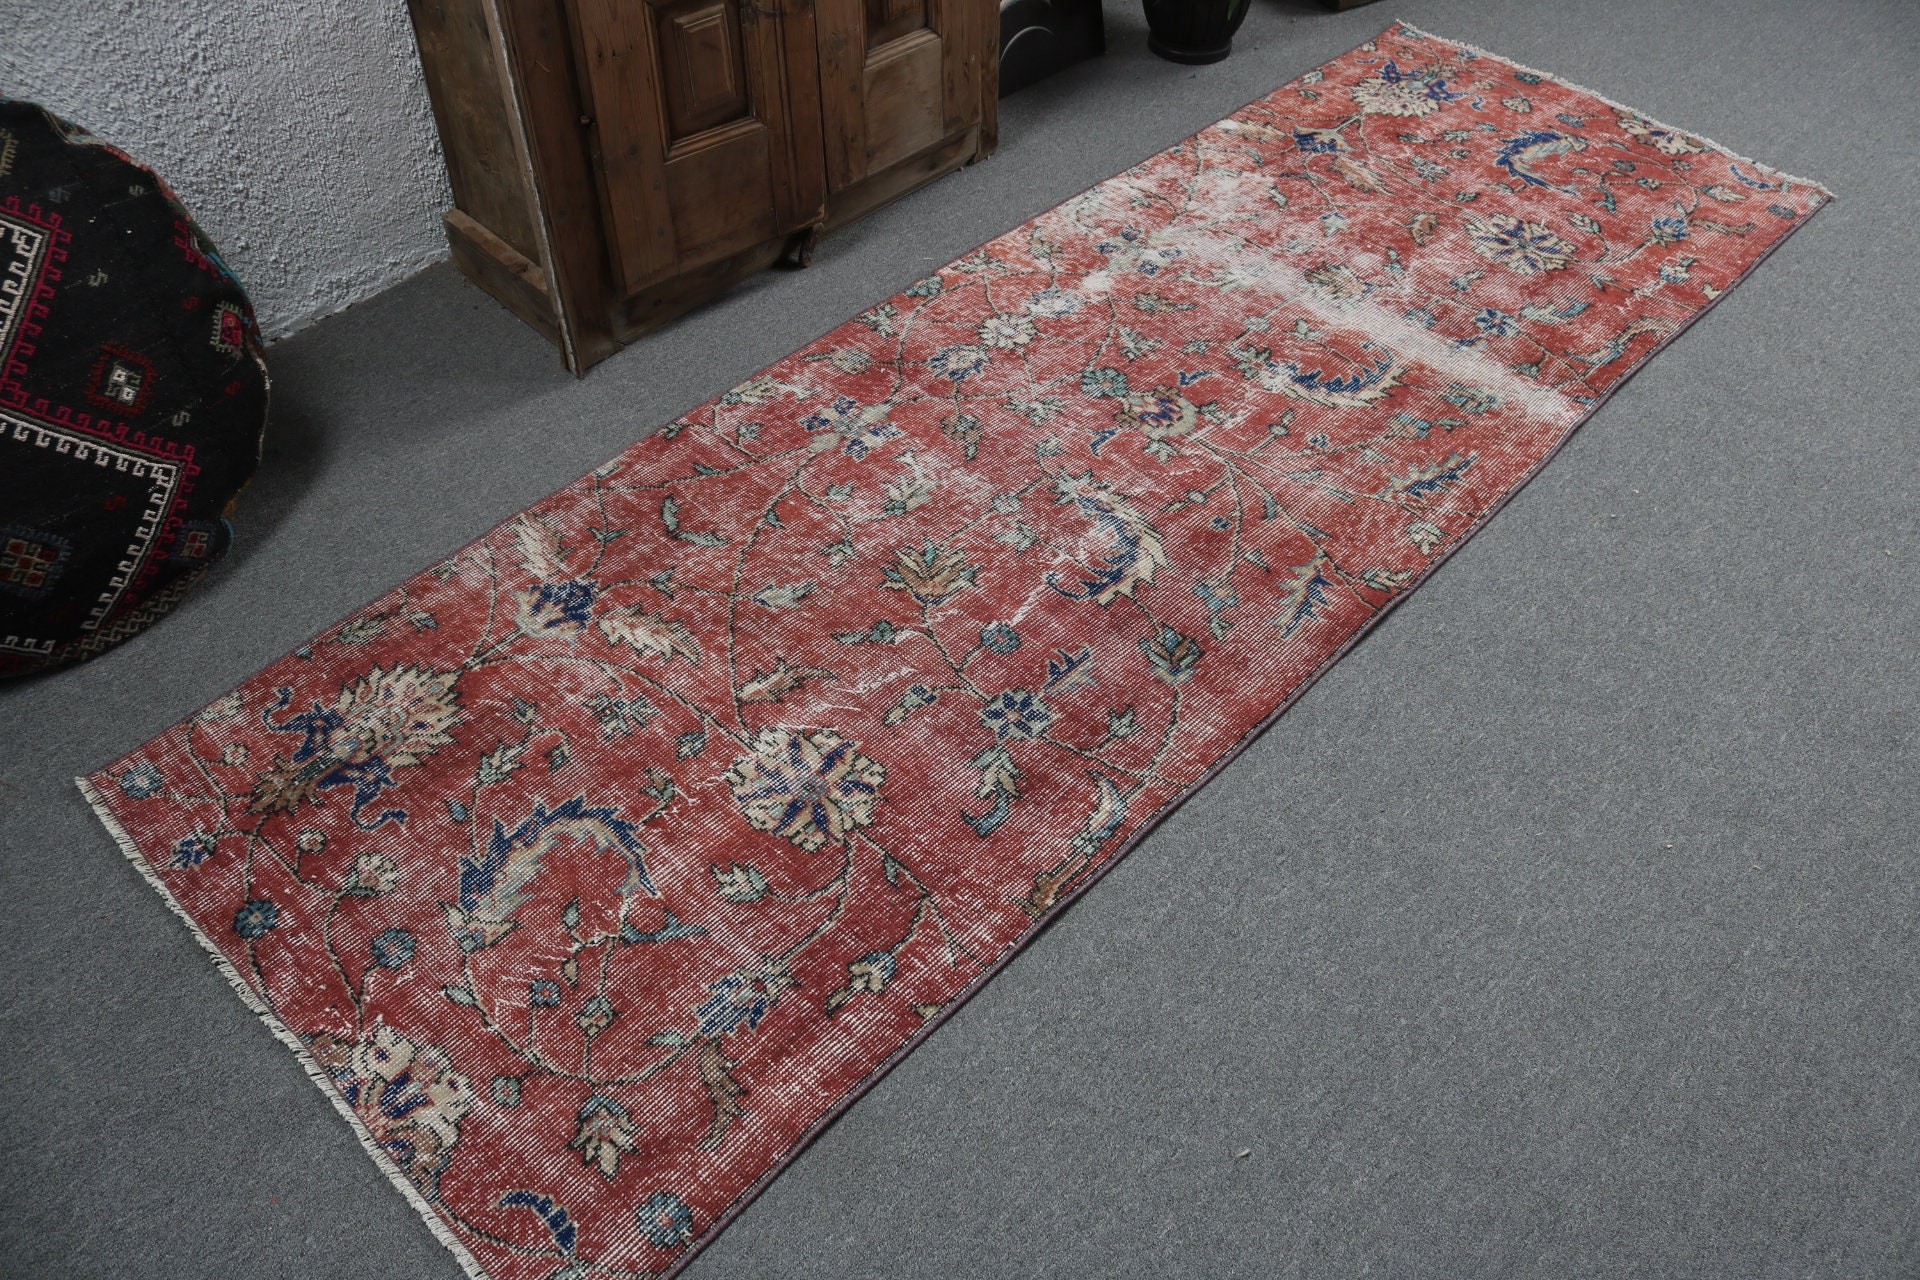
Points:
(593, 870)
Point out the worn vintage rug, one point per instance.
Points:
(594, 869)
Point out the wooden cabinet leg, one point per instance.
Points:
(800, 249)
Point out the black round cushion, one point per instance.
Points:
(133, 394)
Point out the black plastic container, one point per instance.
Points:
(1040, 37)
(1193, 31)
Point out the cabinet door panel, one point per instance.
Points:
(896, 77)
(903, 114)
(703, 66)
(702, 146)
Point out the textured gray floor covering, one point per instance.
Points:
(1570, 927)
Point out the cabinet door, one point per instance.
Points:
(706, 123)
(897, 77)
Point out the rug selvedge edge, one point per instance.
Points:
(1400, 24)
(469, 1265)
(1099, 872)
(260, 1009)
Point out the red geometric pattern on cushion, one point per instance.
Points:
(596, 866)
(29, 561)
(132, 390)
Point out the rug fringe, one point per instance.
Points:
(1562, 81)
(315, 1072)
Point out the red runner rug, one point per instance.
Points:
(591, 871)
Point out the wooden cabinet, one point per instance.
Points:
(615, 162)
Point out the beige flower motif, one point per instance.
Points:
(810, 788)
(1663, 140)
(407, 1094)
(1007, 331)
(1405, 97)
(373, 874)
(226, 707)
(1162, 413)
(1526, 248)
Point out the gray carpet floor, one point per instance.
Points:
(1569, 927)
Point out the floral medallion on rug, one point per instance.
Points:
(591, 871)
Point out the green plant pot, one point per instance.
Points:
(1193, 31)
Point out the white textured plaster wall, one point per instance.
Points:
(297, 131)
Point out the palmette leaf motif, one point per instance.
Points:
(1134, 550)
(760, 390)
(494, 881)
(772, 686)
(390, 718)
(1372, 379)
(1428, 479)
(604, 1133)
(782, 595)
(1304, 596)
(404, 714)
(540, 548)
(649, 634)
(931, 574)
(741, 883)
(502, 762)
(1175, 657)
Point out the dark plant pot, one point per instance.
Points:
(1193, 31)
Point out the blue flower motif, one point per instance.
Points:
(1497, 324)
(665, 1220)
(544, 994)
(1017, 713)
(999, 637)
(255, 920)
(393, 948)
(1670, 230)
(860, 428)
(958, 363)
(1316, 142)
(142, 781)
(861, 440)
(572, 601)
(734, 1000)
(193, 850)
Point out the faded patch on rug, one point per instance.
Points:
(592, 870)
